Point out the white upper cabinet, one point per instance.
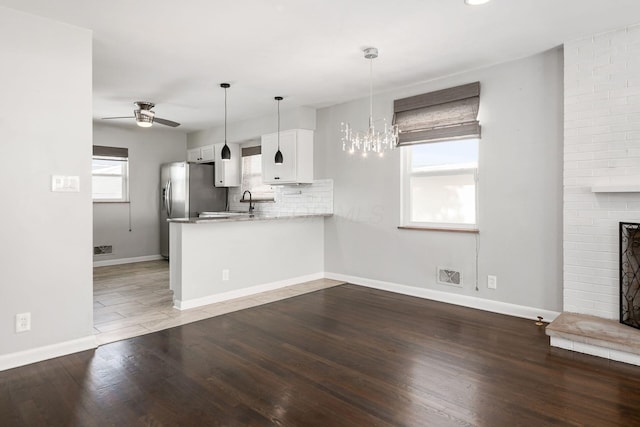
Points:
(296, 146)
(204, 154)
(227, 172)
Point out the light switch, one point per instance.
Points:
(69, 184)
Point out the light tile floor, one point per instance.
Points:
(134, 299)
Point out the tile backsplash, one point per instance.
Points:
(302, 199)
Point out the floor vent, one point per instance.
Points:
(450, 277)
(102, 250)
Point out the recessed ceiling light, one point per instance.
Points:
(476, 2)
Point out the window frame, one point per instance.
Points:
(265, 196)
(124, 175)
(406, 174)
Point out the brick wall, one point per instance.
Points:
(601, 147)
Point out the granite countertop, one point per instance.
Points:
(245, 217)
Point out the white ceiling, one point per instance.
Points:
(177, 53)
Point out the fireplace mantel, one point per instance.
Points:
(616, 188)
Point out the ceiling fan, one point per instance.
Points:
(145, 117)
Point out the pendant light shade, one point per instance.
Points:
(278, 158)
(225, 154)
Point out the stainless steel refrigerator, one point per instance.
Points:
(186, 189)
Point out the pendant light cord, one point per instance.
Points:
(225, 115)
(370, 93)
(278, 125)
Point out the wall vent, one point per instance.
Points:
(447, 276)
(102, 250)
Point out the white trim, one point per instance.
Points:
(38, 354)
(245, 292)
(450, 298)
(406, 173)
(630, 188)
(595, 350)
(118, 261)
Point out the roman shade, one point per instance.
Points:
(251, 151)
(441, 115)
(99, 150)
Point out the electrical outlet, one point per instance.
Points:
(492, 282)
(23, 322)
(225, 274)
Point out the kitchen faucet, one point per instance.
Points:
(251, 207)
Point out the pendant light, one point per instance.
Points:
(278, 159)
(226, 152)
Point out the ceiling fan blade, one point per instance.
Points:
(109, 118)
(165, 122)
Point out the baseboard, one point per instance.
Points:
(245, 292)
(26, 357)
(118, 261)
(451, 298)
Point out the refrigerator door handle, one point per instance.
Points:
(168, 198)
(164, 197)
(165, 193)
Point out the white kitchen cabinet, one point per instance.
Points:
(227, 173)
(193, 155)
(296, 146)
(204, 154)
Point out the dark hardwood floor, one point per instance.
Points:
(344, 356)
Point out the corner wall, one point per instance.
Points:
(148, 149)
(520, 193)
(602, 147)
(45, 255)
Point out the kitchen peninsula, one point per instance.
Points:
(217, 259)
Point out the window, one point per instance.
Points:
(439, 184)
(252, 174)
(110, 174)
(439, 135)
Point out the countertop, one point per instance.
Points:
(255, 217)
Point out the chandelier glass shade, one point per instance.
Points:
(375, 141)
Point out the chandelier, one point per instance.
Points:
(372, 140)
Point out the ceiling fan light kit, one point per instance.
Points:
(143, 118)
(225, 154)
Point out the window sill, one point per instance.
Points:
(110, 201)
(451, 230)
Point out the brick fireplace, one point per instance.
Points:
(601, 168)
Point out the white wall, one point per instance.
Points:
(252, 129)
(520, 192)
(148, 149)
(45, 127)
(602, 147)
